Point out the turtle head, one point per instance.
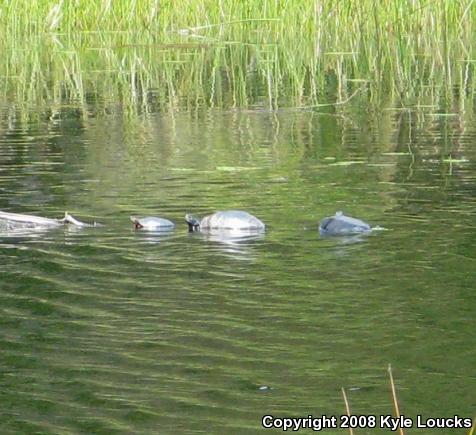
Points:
(193, 222)
(136, 223)
(324, 223)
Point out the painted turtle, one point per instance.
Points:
(152, 223)
(225, 220)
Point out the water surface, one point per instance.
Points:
(112, 330)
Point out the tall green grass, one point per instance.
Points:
(148, 54)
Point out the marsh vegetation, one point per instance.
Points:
(148, 55)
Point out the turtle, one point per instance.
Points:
(339, 224)
(225, 220)
(152, 223)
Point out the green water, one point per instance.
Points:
(111, 330)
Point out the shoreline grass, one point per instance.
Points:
(150, 54)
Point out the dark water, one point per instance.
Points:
(109, 330)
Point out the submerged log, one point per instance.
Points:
(12, 221)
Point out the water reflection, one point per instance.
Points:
(154, 236)
(236, 243)
(347, 239)
(16, 235)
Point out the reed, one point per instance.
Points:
(152, 54)
(395, 404)
(347, 409)
(394, 398)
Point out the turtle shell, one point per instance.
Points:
(152, 223)
(341, 225)
(232, 220)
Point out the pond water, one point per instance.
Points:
(112, 330)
